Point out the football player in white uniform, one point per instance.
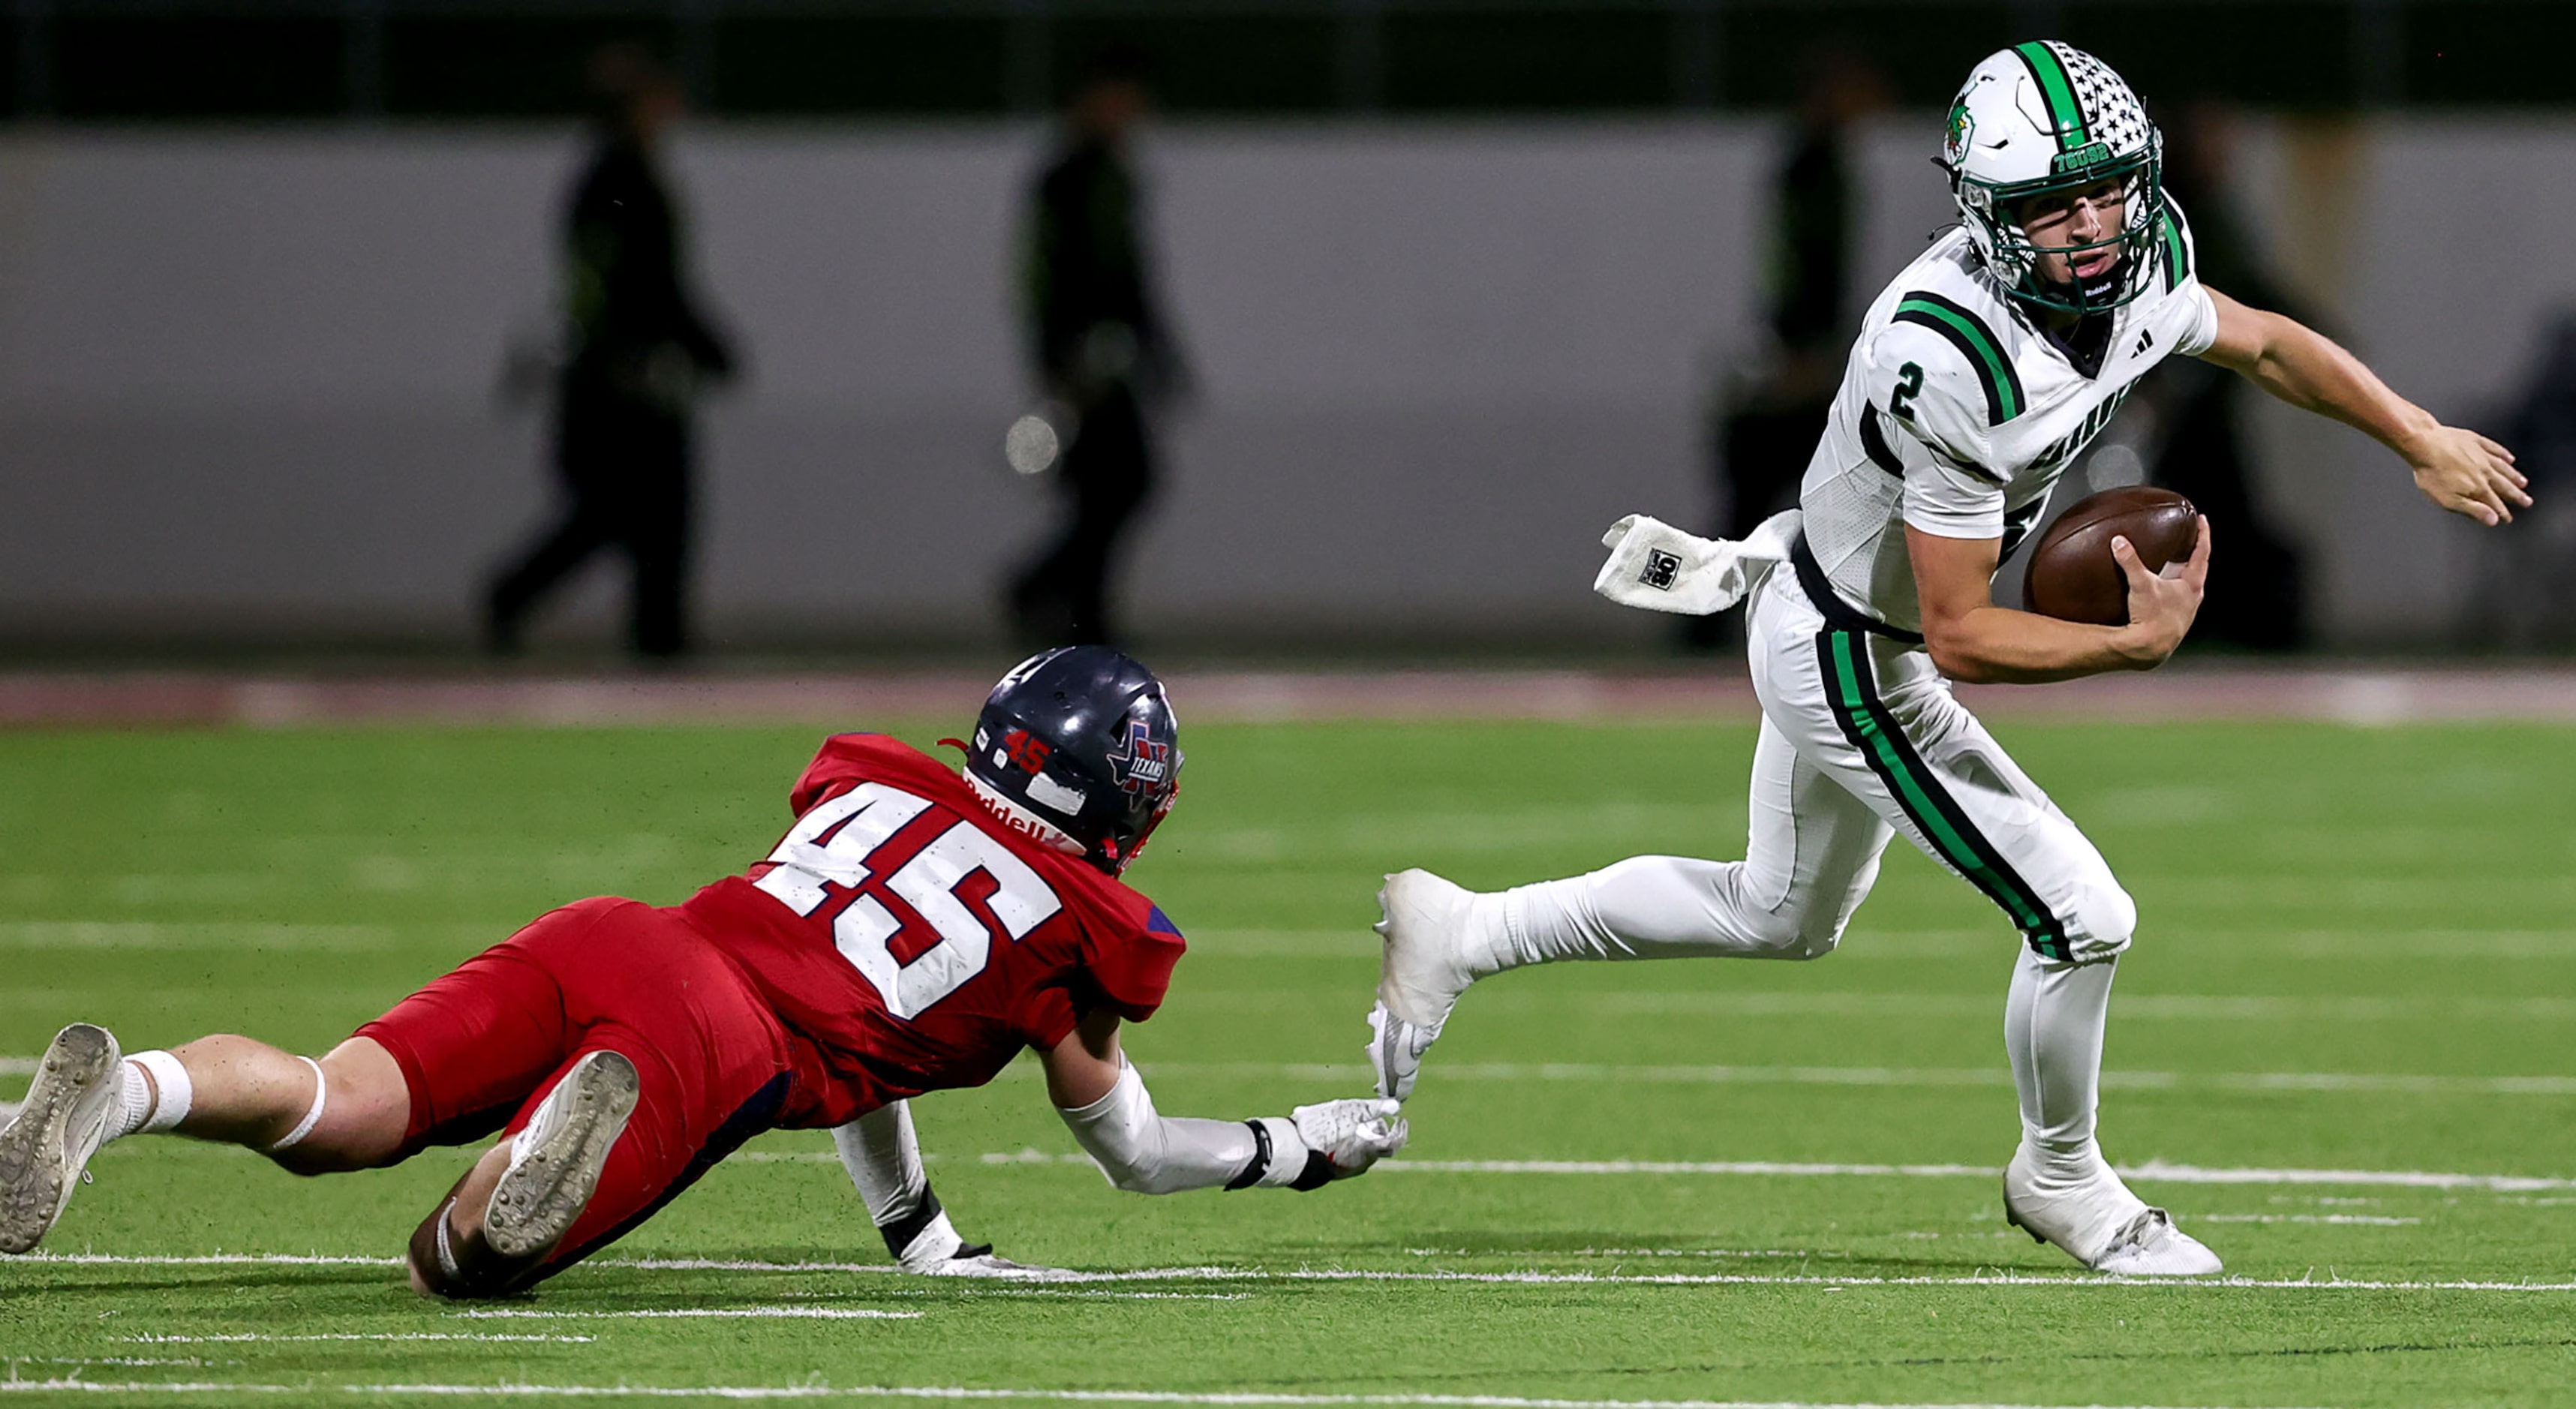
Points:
(1979, 374)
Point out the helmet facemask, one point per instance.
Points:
(2016, 259)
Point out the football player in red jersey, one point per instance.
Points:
(913, 932)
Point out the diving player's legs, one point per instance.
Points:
(88, 1093)
(651, 1059)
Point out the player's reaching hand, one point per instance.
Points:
(2161, 605)
(2468, 474)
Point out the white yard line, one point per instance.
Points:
(1975, 1279)
(2152, 1170)
(261, 1338)
(164, 935)
(2134, 1007)
(1234, 1274)
(960, 1392)
(1939, 1077)
(2361, 1219)
(211, 1259)
(694, 1313)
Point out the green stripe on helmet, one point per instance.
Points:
(2064, 113)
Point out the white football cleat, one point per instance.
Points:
(2099, 1223)
(1423, 970)
(984, 1264)
(44, 1151)
(555, 1162)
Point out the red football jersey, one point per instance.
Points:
(921, 943)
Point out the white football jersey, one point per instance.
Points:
(1956, 414)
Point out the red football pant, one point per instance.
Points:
(483, 1045)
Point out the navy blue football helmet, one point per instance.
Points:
(1081, 738)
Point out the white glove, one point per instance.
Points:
(1658, 567)
(1351, 1134)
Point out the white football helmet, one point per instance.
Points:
(2046, 117)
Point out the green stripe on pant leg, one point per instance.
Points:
(1922, 798)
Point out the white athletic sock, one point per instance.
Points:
(2053, 1031)
(151, 1104)
(1646, 907)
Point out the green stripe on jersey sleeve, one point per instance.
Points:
(1985, 353)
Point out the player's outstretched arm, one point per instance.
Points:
(2458, 469)
(1973, 640)
(1105, 1104)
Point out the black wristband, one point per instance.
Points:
(1260, 1165)
(1317, 1173)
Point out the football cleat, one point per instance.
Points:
(1423, 970)
(1395, 1052)
(2099, 1223)
(44, 1151)
(555, 1162)
(2149, 1245)
(979, 1261)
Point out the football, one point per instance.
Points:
(2072, 574)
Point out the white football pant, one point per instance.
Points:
(1861, 739)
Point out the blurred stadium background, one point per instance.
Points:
(1459, 282)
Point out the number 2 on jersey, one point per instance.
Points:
(835, 842)
(1909, 384)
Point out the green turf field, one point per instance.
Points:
(2355, 955)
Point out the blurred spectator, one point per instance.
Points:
(2525, 594)
(2257, 594)
(1102, 349)
(636, 350)
(1774, 413)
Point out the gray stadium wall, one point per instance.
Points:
(247, 379)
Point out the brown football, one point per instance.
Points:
(2072, 575)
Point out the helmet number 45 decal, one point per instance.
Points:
(835, 847)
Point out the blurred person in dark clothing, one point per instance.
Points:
(637, 350)
(1102, 349)
(2256, 595)
(1774, 413)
